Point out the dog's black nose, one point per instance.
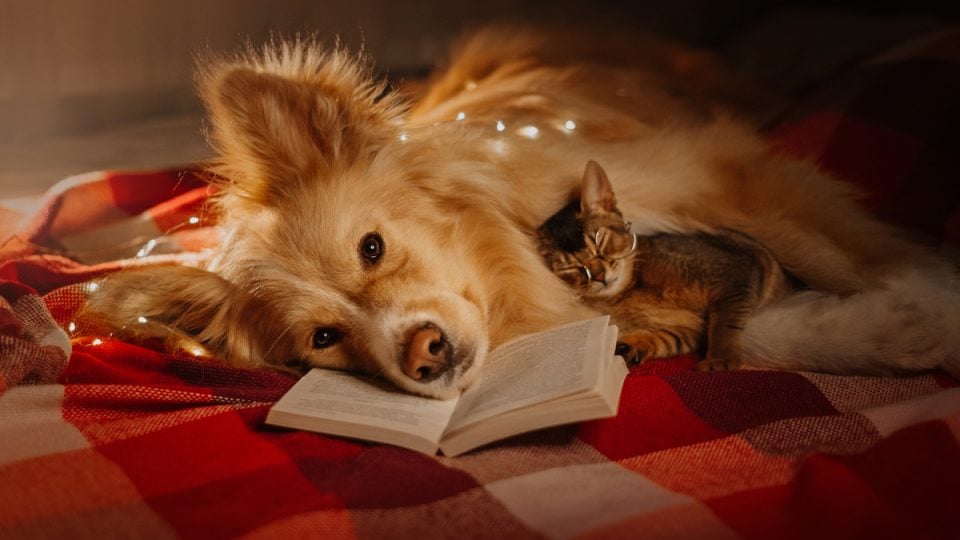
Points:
(428, 354)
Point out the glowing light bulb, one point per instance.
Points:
(530, 132)
(72, 327)
(570, 125)
(92, 287)
(141, 319)
(461, 115)
(193, 220)
(145, 250)
(404, 137)
(500, 125)
(197, 351)
(96, 341)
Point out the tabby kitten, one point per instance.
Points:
(669, 293)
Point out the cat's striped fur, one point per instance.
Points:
(669, 293)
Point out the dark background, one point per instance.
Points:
(108, 83)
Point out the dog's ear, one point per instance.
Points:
(184, 306)
(268, 130)
(292, 112)
(596, 193)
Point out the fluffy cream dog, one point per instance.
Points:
(365, 234)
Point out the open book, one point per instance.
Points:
(563, 375)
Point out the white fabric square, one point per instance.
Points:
(894, 417)
(31, 423)
(567, 501)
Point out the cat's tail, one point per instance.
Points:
(912, 324)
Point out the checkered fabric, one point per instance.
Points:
(102, 439)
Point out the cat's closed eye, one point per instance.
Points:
(576, 276)
(613, 244)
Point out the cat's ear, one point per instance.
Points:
(596, 193)
(291, 113)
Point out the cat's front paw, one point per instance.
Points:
(647, 344)
(629, 353)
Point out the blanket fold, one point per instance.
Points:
(104, 438)
(174, 444)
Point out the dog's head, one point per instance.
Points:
(337, 252)
(331, 225)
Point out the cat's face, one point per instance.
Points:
(588, 244)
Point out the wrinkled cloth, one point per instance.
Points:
(102, 438)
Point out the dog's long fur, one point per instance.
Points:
(318, 158)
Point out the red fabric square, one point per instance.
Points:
(825, 500)
(240, 503)
(203, 451)
(652, 417)
(916, 471)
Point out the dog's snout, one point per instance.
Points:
(428, 354)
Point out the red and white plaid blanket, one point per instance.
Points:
(101, 438)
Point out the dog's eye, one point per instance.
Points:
(371, 247)
(326, 337)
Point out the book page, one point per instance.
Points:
(535, 368)
(599, 401)
(346, 398)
